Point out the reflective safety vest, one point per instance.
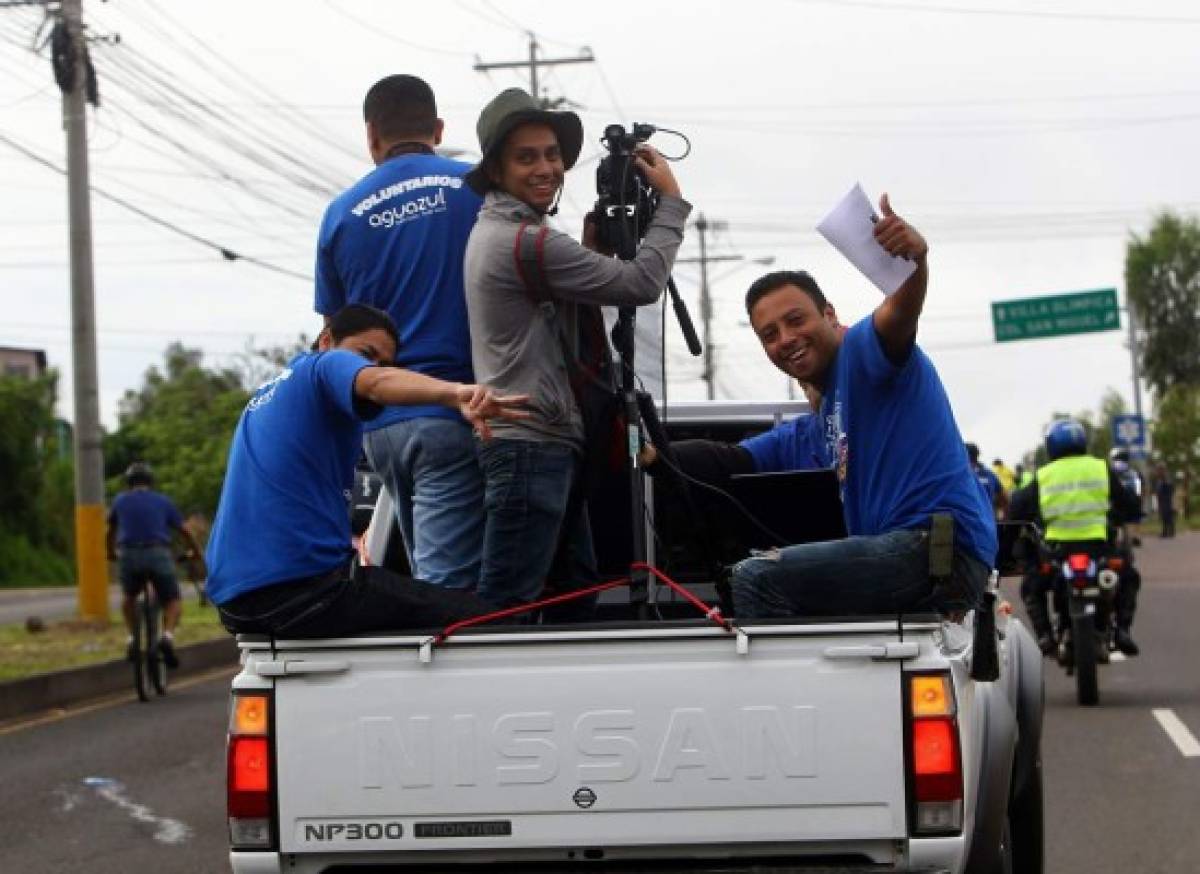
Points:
(1073, 498)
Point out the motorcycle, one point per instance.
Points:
(1084, 587)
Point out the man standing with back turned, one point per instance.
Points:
(395, 240)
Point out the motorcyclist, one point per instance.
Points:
(1126, 536)
(1077, 498)
(1121, 462)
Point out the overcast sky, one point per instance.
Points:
(1027, 141)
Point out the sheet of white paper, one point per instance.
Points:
(849, 227)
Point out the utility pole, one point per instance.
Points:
(90, 554)
(1131, 319)
(586, 57)
(703, 226)
(706, 308)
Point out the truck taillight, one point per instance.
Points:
(934, 757)
(250, 776)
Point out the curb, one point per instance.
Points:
(61, 688)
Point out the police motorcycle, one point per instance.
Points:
(1080, 557)
(1083, 585)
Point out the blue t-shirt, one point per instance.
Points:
(793, 445)
(284, 510)
(396, 241)
(889, 432)
(144, 517)
(988, 481)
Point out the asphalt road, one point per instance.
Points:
(122, 786)
(119, 786)
(1120, 794)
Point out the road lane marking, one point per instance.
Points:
(1178, 733)
(166, 830)
(59, 714)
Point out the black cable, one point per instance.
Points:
(238, 81)
(754, 520)
(242, 140)
(687, 150)
(199, 157)
(237, 132)
(227, 253)
(373, 28)
(1018, 13)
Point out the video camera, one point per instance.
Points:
(625, 202)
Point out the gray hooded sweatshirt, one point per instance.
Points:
(517, 345)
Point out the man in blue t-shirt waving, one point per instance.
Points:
(395, 240)
(280, 550)
(885, 425)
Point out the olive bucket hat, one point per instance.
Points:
(513, 107)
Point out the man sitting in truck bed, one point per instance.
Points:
(885, 424)
(280, 551)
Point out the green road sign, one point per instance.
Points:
(1078, 313)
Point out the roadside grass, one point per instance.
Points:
(71, 643)
(35, 584)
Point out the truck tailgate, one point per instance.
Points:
(635, 738)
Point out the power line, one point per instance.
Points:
(1121, 18)
(374, 28)
(533, 64)
(512, 21)
(227, 253)
(256, 145)
(236, 80)
(155, 332)
(788, 109)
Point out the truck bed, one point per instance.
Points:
(627, 741)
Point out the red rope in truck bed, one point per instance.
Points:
(712, 613)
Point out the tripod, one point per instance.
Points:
(623, 214)
(623, 343)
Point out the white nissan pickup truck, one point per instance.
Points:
(634, 744)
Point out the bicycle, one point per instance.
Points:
(145, 651)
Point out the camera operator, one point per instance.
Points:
(524, 318)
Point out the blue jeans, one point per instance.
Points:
(428, 466)
(527, 496)
(879, 574)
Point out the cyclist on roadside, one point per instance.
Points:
(140, 523)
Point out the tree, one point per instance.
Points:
(180, 422)
(27, 410)
(1112, 404)
(1177, 434)
(36, 515)
(257, 364)
(1099, 435)
(1162, 278)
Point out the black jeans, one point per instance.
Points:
(340, 604)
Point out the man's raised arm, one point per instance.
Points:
(388, 386)
(896, 318)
